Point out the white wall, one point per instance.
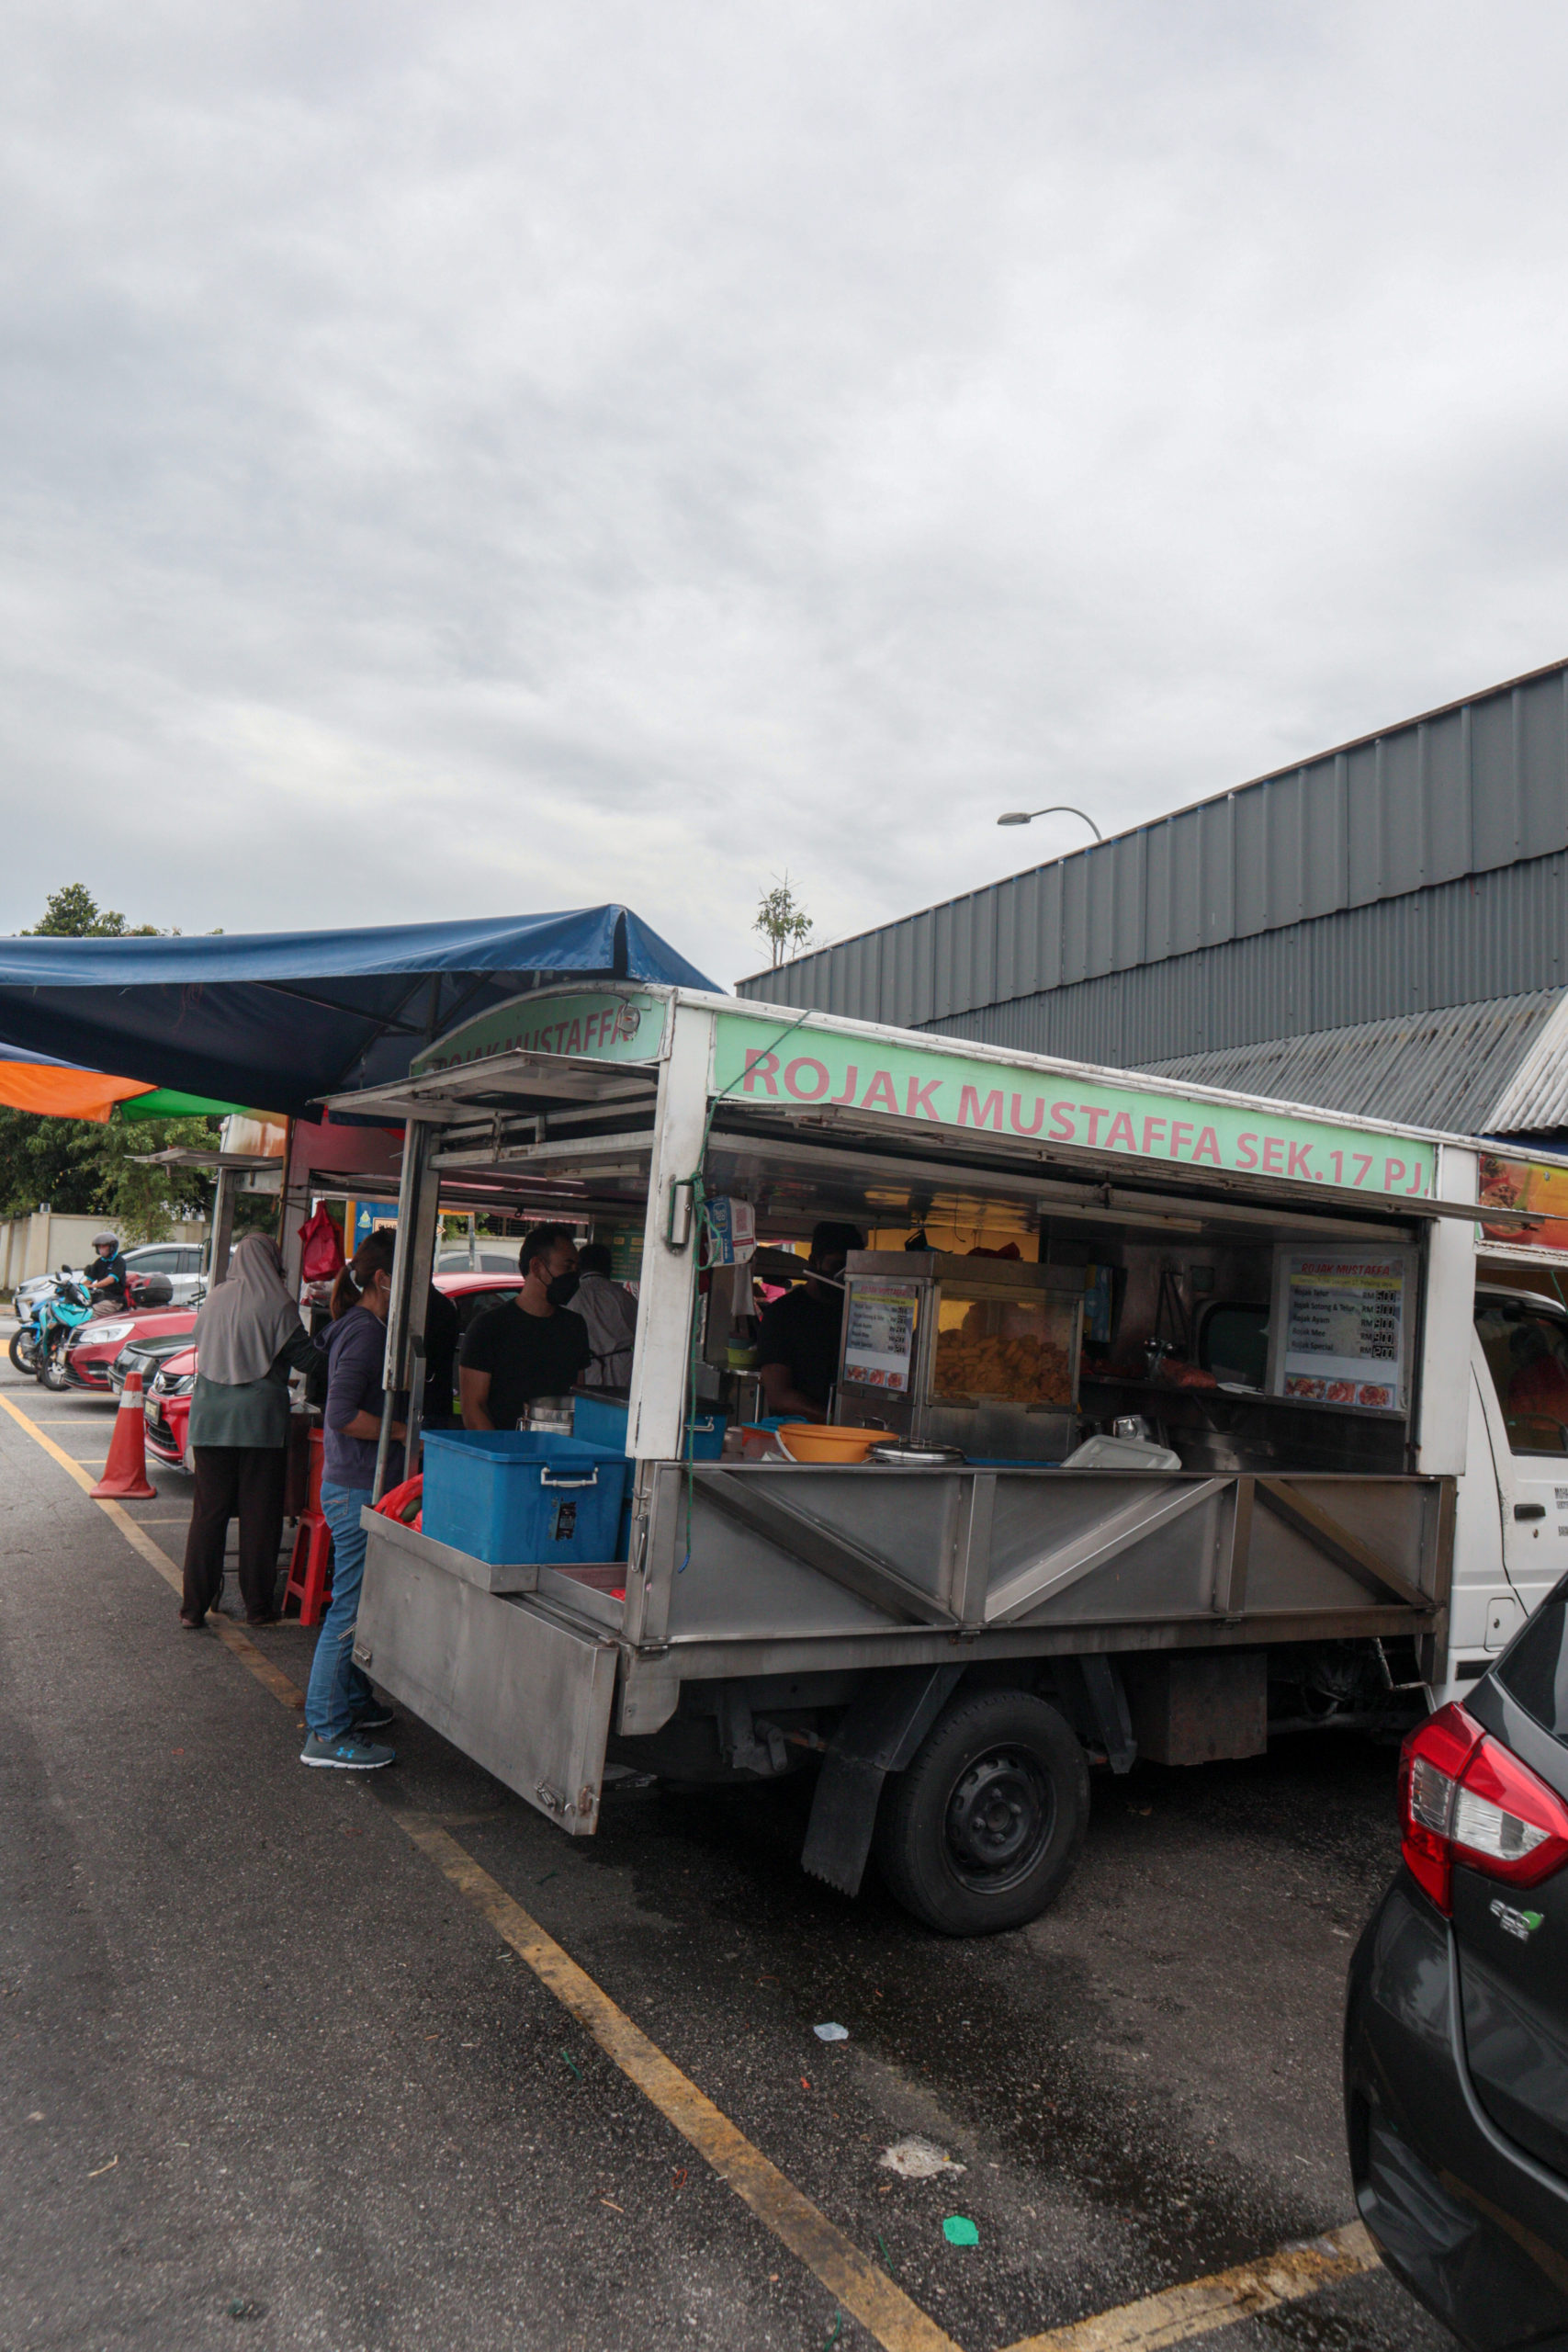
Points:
(46, 1240)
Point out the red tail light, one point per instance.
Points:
(1462, 1797)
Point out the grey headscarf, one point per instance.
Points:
(248, 1318)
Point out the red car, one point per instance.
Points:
(169, 1391)
(95, 1345)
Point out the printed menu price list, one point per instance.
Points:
(879, 1340)
(1345, 1327)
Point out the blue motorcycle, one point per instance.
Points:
(60, 1313)
(29, 1298)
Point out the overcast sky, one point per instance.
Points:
(471, 459)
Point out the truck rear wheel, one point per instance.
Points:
(982, 1830)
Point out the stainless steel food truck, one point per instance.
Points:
(1165, 1418)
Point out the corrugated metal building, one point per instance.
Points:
(1382, 929)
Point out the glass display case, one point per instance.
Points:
(978, 1352)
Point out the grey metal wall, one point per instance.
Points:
(1494, 935)
(1322, 895)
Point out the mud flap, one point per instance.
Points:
(878, 1734)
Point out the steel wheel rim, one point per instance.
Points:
(1000, 1819)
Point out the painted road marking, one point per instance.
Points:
(860, 2286)
(1182, 2312)
(159, 1562)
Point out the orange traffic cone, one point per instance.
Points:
(125, 1473)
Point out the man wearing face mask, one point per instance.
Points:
(797, 1344)
(534, 1346)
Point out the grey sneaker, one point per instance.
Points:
(374, 1715)
(347, 1754)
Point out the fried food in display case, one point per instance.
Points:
(1015, 1350)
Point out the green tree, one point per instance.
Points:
(39, 1162)
(783, 922)
(73, 913)
(142, 1202)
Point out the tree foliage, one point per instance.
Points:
(84, 1168)
(73, 913)
(783, 922)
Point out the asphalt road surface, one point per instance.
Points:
(272, 2078)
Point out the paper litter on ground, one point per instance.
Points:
(831, 2032)
(917, 2160)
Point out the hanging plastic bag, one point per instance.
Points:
(322, 1260)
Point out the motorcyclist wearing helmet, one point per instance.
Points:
(107, 1279)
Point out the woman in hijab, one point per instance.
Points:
(248, 1337)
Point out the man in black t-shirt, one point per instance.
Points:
(797, 1342)
(531, 1347)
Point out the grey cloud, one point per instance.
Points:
(478, 458)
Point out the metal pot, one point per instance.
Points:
(901, 1455)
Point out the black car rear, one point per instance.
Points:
(1456, 2041)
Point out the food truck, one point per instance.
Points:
(1164, 1420)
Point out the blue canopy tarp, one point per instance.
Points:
(277, 1019)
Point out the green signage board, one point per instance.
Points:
(761, 1062)
(603, 1024)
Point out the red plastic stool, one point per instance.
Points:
(310, 1562)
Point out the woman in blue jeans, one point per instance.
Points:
(341, 1708)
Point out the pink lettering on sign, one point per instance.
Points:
(590, 1030)
(1153, 1135)
(1094, 1117)
(1363, 1165)
(1181, 1133)
(1394, 1171)
(972, 1113)
(849, 1085)
(919, 1098)
(1274, 1155)
(1301, 1161)
(1417, 1181)
(574, 1042)
(761, 1069)
(1208, 1146)
(879, 1094)
(1120, 1137)
(801, 1091)
(1245, 1151)
(1063, 1125)
(1017, 1111)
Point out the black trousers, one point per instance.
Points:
(230, 1479)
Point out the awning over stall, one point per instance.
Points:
(278, 1019)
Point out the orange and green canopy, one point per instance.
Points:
(61, 1091)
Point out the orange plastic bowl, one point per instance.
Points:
(820, 1442)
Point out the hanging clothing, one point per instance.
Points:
(610, 1313)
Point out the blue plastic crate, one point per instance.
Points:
(509, 1494)
(602, 1421)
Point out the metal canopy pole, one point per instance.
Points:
(418, 1197)
(222, 1226)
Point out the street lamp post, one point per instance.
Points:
(1057, 808)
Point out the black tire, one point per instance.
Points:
(24, 1348)
(984, 1829)
(53, 1374)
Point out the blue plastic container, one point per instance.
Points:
(602, 1421)
(509, 1494)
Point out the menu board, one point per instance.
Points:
(879, 1334)
(1344, 1316)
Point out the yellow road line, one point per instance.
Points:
(159, 1561)
(1182, 2312)
(862, 2286)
